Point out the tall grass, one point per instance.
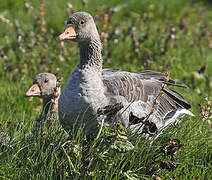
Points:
(173, 36)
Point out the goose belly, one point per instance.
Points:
(80, 101)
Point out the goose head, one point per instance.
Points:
(81, 28)
(43, 86)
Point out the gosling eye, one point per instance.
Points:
(46, 80)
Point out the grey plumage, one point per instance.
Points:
(90, 87)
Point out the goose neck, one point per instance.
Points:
(90, 54)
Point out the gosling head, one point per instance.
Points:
(43, 86)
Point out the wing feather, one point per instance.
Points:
(140, 86)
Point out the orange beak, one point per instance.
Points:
(34, 90)
(68, 34)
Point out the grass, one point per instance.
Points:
(173, 36)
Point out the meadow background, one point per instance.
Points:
(168, 36)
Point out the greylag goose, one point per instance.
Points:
(90, 88)
(47, 87)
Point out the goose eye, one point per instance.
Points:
(46, 80)
(82, 22)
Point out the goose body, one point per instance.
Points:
(90, 87)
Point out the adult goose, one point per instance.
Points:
(90, 88)
(47, 87)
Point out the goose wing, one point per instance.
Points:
(132, 86)
(144, 87)
(108, 71)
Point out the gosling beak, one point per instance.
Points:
(34, 90)
(68, 34)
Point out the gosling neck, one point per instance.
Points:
(47, 104)
(50, 104)
(90, 55)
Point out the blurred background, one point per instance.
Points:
(172, 36)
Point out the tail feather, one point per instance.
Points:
(177, 98)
